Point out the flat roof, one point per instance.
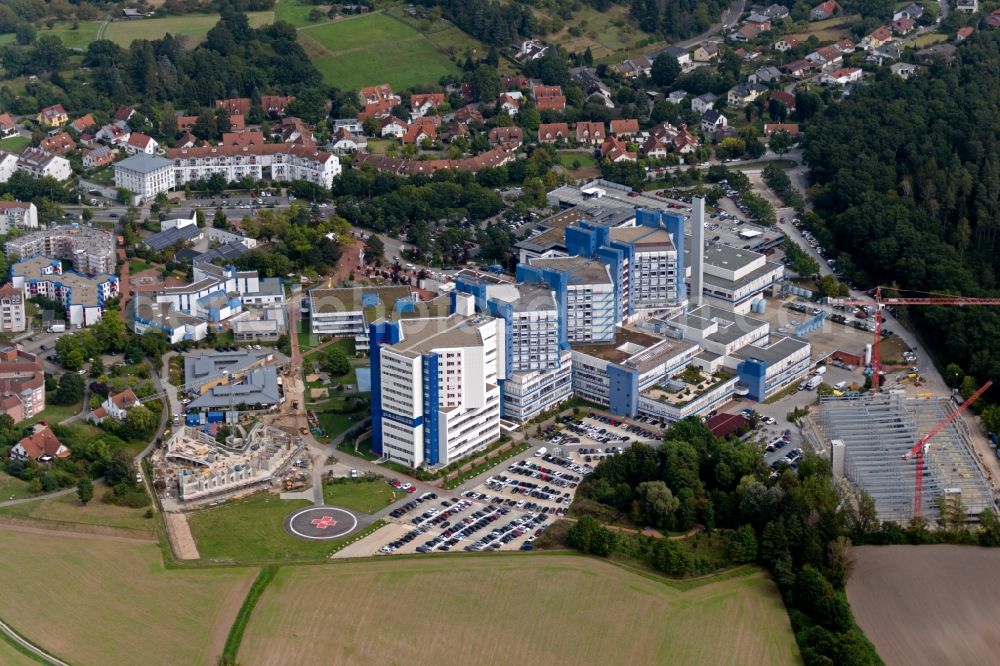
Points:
(424, 335)
(164, 239)
(259, 386)
(723, 256)
(634, 348)
(326, 300)
(581, 271)
(775, 351)
(83, 289)
(731, 325)
(162, 314)
(644, 238)
(144, 163)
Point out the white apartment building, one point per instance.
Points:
(435, 392)
(17, 215)
(217, 293)
(37, 163)
(8, 165)
(91, 250)
(84, 297)
(12, 318)
(145, 175)
(272, 161)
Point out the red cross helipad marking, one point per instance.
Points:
(324, 522)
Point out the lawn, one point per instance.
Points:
(12, 487)
(15, 144)
(585, 159)
(926, 40)
(251, 530)
(138, 265)
(192, 26)
(335, 423)
(296, 13)
(11, 656)
(569, 610)
(94, 600)
(67, 509)
(53, 414)
(80, 38)
(362, 496)
(600, 32)
(371, 49)
(306, 339)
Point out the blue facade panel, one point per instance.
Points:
(623, 396)
(753, 373)
(432, 454)
(379, 333)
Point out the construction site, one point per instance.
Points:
(872, 441)
(192, 465)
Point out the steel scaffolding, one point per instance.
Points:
(878, 429)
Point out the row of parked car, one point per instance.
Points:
(518, 487)
(564, 462)
(528, 506)
(412, 504)
(462, 529)
(512, 530)
(536, 471)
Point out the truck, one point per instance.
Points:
(811, 383)
(57, 328)
(821, 370)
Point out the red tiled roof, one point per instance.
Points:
(44, 443)
(723, 425)
(624, 126)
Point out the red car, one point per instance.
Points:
(411, 489)
(395, 483)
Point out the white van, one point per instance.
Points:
(840, 386)
(541, 452)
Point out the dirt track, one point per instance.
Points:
(928, 604)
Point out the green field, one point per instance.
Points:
(521, 609)
(67, 509)
(80, 38)
(10, 656)
(12, 487)
(364, 496)
(15, 144)
(192, 26)
(53, 414)
(372, 49)
(96, 600)
(251, 530)
(585, 159)
(296, 13)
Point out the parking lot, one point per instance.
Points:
(435, 524)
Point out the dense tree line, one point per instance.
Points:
(907, 187)
(489, 21)
(677, 19)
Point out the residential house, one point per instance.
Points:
(422, 103)
(344, 142)
(17, 215)
(825, 10)
(706, 52)
(453, 130)
(8, 165)
(964, 33)
(903, 70)
(680, 54)
(293, 130)
(593, 88)
(912, 11)
(904, 26)
(845, 46)
(625, 127)
(115, 406)
(552, 132)
(703, 102)
(786, 43)
(792, 129)
(993, 20)
(418, 133)
(634, 68)
(187, 140)
(744, 93)
(765, 75)
(750, 31)
(393, 127)
(654, 147)
(886, 52)
(614, 151)
(967, 6)
(115, 134)
(52, 116)
(526, 50)
(549, 98)
(37, 163)
(506, 136)
(22, 377)
(234, 106)
(509, 103)
(842, 76)
(786, 99)
(774, 11)
(590, 132)
(41, 445)
(255, 138)
(826, 57)
(798, 68)
(468, 115)
(878, 37)
(141, 143)
(124, 113)
(83, 123)
(516, 82)
(378, 101)
(677, 96)
(712, 120)
(274, 105)
(58, 144)
(98, 157)
(684, 141)
(7, 126)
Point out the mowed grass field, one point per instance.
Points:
(371, 49)
(85, 33)
(67, 509)
(192, 26)
(364, 496)
(101, 601)
(928, 604)
(527, 609)
(10, 656)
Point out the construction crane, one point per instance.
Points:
(920, 447)
(879, 302)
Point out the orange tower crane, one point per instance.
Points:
(920, 447)
(880, 302)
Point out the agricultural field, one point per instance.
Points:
(928, 604)
(102, 600)
(569, 610)
(297, 13)
(67, 509)
(192, 26)
(828, 30)
(363, 496)
(371, 49)
(85, 33)
(609, 35)
(11, 656)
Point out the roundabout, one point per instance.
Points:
(320, 523)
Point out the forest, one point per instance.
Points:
(907, 188)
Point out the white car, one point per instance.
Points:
(406, 486)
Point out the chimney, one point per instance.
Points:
(697, 252)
